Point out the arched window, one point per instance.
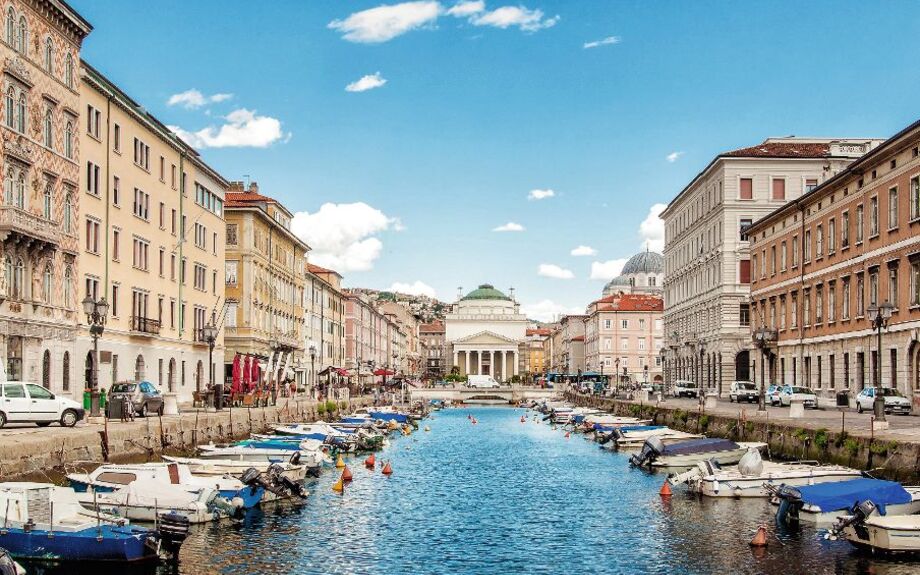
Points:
(22, 38)
(8, 274)
(19, 274)
(68, 214)
(46, 369)
(19, 200)
(21, 114)
(65, 372)
(10, 27)
(68, 287)
(68, 141)
(49, 55)
(48, 201)
(47, 284)
(8, 187)
(48, 129)
(68, 71)
(10, 104)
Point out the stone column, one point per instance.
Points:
(515, 366)
(505, 365)
(466, 357)
(456, 360)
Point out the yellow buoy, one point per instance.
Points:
(338, 486)
(339, 463)
(427, 428)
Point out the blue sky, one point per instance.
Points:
(454, 116)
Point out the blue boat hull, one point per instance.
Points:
(397, 417)
(251, 497)
(117, 544)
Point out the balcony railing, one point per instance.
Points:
(145, 325)
(15, 220)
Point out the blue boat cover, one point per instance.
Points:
(628, 428)
(699, 446)
(839, 495)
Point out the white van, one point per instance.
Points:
(21, 401)
(685, 388)
(481, 381)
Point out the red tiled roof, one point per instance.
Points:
(315, 269)
(434, 326)
(240, 199)
(578, 338)
(630, 302)
(782, 150)
(539, 331)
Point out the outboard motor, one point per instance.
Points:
(7, 565)
(790, 502)
(651, 449)
(173, 531)
(273, 481)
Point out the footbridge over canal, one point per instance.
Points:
(492, 396)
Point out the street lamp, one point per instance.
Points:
(312, 368)
(878, 317)
(209, 334)
(96, 312)
(762, 338)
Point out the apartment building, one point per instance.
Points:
(821, 261)
(326, 311)
(707, 254)
(433, 349)
(623, 335)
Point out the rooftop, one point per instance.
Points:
(485, 292)
(629, 302)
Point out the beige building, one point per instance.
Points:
(39, 216)
(573, 343)
(433, 349)
(535, 353)
(151, 225)
(623, 335)
(409, 358)
(820, 262)
(265, 273)
(325, 301)
(707, 254)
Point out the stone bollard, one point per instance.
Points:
(712, 401)
(643, 396)
(796, 410)
(170, 404)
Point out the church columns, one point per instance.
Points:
(514, 357)
(456, 361)
(505, 365)
(466, 356)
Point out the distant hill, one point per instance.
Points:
(426, 309)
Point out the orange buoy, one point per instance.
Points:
(665, 489)
(370, 462)
(338, 486)
(346, 474)
(523, 419)
(567, 434)
(760, 538)
(387, 469)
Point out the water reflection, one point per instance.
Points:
(508, 497)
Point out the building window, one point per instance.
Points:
(141, 154)
(68, 140)
(915, 197)
(744, 314)
(93, 121)
(48, 130)
(915, 282)
(47, 284)
(779, 189)
(624, 324)
(141, 204)
(845, 308)
(48, 201)
(68, 71)
(624, 343)
(782, 256)
(92, 236)
(68, 214)
(831, 236)
(892, 208)
(115, 244)
(794, 319)
(860, 295)
(141, 254)
(92, 178)
(231, 235)
(116, 138)
(200, 277)
(831, 302)
(860, 218)
(873, 217)
(116, 191)
(746, 189)
(873, 288)
(231, 271)
(810, 184)
(893, 285)
(806, 308)
(819, 304)
(795, 251)
(845, 230)
(744, 271)
(68, 287)
(819, 241)
(115, 300)
(742, 228)
(807, 246)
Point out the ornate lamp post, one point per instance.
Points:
(209, 334)
(312, 368)
(96, 312)
(762, 338)
(878, 317)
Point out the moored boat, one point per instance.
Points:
(684, 455)
(888, 534)
(823, 503)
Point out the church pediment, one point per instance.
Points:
(485, 338)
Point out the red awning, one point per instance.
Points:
(384, 372)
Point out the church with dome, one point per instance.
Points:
(484, 331)
(642, 274)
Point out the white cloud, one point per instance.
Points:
(509, 227)
(387, 21)
(416, 288)
(467, 9)
(192, 99)
(520, 16)
(652, 229)
(548, 310)
(343, 236)
(243, 129)
(540, 194)
(554, 271)
(584, 251)
(602, 42)
(368, 82)
(673, 156)
(607, 270)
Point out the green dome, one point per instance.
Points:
(486, 291)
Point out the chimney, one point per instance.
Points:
(236, 187)
(253, 188)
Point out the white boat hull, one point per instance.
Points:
(827, 518)
(889, 534)
(683, 462)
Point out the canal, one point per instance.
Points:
(500, 497)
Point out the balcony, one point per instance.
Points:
(145, 326)
(22, 226)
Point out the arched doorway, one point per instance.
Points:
(171, 375)
(914, 379)
(140, 369)
(199, 375)
(743, 366)
(88, 370)
(46, 369)
(65, 375)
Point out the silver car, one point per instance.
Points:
(145, 398)
(895, 402)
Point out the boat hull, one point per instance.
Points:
(685, 462)
(883, 537)
(713, 486)
(117, 544)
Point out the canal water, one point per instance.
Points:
(500, 497)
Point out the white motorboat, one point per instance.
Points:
(236, 468)
(684, 455)
(824, 503)
(632, 440)
(753, 477)
(879, 533)
(310, 454)
(148, 500)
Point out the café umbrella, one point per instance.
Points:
(237, 375)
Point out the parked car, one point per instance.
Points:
(145, 398)
(482, 381)
(685, 388)
(21, 401)
(743, 391)
(895, 402)
(790, 393)
(773, 394)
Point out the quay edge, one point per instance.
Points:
(889, 459)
